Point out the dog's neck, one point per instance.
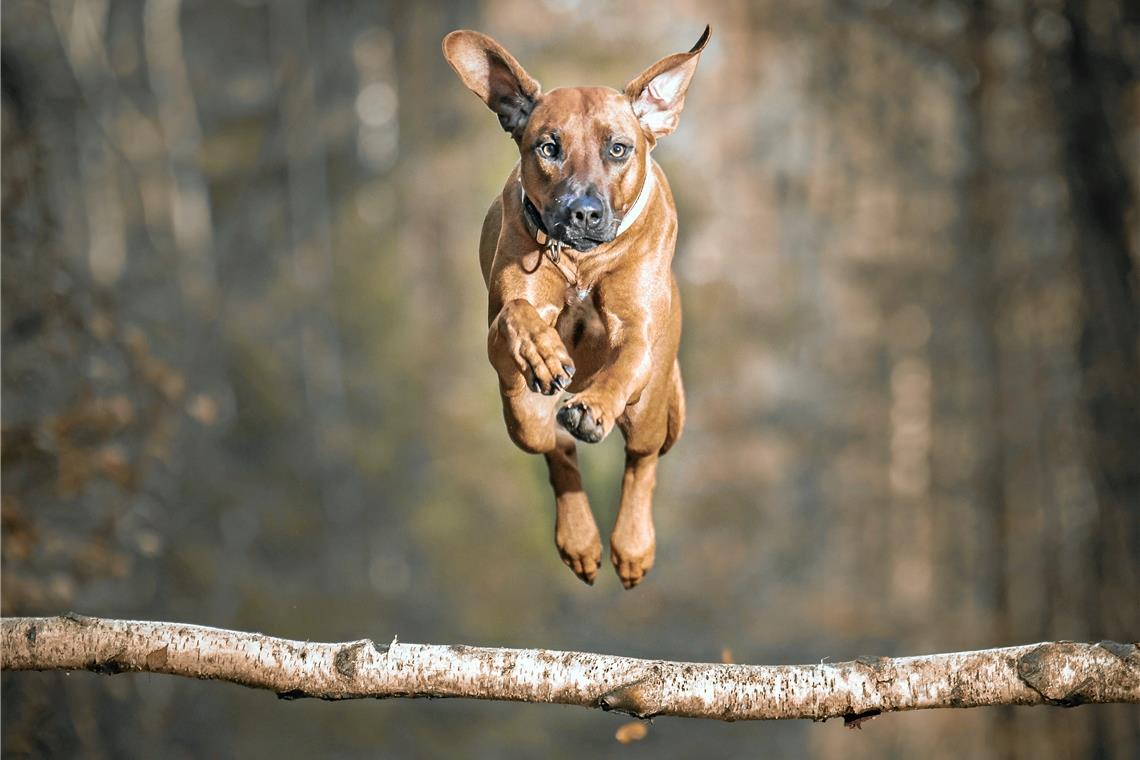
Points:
(552, 246)
(641, 201)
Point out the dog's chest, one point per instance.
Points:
(580, 323)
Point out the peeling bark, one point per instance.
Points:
(1055, 673)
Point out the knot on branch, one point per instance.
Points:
(75, 617)
(348, 659)
(880, 669)
(640, 698)
(109, 667)
(1068, 674)
(856, 720)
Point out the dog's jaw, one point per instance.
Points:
(580, 243)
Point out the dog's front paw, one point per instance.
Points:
(587, 417)
(535, 350)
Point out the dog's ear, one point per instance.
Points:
(494, 75)
(658, 94)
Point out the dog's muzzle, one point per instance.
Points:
(583, 221)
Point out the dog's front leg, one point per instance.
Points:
(528, 356)
(630, 327)
(530, 359)
(526, 351)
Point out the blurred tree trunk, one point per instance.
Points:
(981, 203)
(1089, 77)
(320, 356)
(1086, 85)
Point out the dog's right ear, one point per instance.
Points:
(494, 75)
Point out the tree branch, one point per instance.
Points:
(1055, 673)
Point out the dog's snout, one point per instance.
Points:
(586, 212)
(580, 217)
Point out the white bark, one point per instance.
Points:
(1055, 673)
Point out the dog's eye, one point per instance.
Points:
(548, 149)
(617, 150)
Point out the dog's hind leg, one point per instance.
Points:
(676, 421)
(575, 532)
(530, 423)
(633, 543)
(650, 427)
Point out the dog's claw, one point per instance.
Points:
(557, 385)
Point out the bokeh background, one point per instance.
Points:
(244, 380)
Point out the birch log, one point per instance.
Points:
(1054, 673)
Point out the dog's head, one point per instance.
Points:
(584, 149)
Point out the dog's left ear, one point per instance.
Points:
(658, 94)
(494, 75)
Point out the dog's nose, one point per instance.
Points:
(585, 213)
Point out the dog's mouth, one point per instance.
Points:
(580, 242)
(555, 227)
(584, 243)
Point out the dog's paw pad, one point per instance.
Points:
(579, 422)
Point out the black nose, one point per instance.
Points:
(585, 213)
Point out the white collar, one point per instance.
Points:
(642, 198)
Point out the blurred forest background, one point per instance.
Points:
(245, 384)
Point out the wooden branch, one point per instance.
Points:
(1054, 673)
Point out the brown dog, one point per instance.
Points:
(576, 255)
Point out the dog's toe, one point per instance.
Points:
(584, 567)
(584, 562)
(631, 573)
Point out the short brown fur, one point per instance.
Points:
(603, 323)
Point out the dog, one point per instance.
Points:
(576, 256)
